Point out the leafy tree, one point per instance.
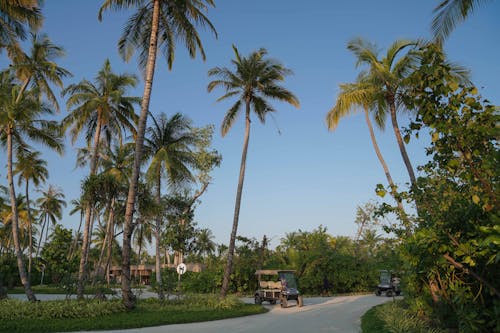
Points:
(55, 255)
(452, 257)
(99, 107)
(253, 81)
(156, 24)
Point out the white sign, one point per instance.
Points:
(181, 268)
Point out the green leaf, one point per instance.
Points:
(406, 138)
(475, 199)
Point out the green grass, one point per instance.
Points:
(395, 317)
(372, 323)
(147, 313)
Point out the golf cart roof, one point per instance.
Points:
(273, 271)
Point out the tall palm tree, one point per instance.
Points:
(449, 13)
(39, 69)
(95, 107)
(20, 120)
(30, 167)
(362, 94)
(50, 206)
(386, 76)
(253, 81)
(155, 24)
(15, 17)
(169, 145)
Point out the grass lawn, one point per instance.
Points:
(146, 314)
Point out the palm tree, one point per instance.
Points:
(169, 145)
(386, 77)
(19, 119)
(362, 94)
(50, 206)
(156, 24)
(15, 17)
(254, 80)
(94, 108)
(30, 166)
(38, 69)
(449, 13)
(204, 242)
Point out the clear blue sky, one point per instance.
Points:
(304, 176)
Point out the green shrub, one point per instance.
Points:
(398, 319)
(21, 310)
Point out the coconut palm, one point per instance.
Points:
(15, 17)
(20, 120)
(98, 107)
(362, 95)
(204, 242)
(38, 69)
(30, 167)
(253, 81)
(449, 13)
(50, 206)
(169, 145)
(386, 76)
(157, 24)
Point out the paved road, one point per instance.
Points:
(319, 314)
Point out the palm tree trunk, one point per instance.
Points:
(229, 264)
(15, 225)
(128, 297)
(82, 270)
(30, 230)
(77, 236)
(157, 234)
(384, 165)
(401, 144)
(100, 271)
(39, 245)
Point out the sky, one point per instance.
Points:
(298, 174)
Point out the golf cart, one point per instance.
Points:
(277, 285)
(389, 284)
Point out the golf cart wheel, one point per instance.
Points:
(378, 292)
(398, 293)
(258, 300)
(388, 293)
(300, 301)
(273, 301)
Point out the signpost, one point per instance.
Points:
(181, 269)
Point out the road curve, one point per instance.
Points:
(319, 314)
